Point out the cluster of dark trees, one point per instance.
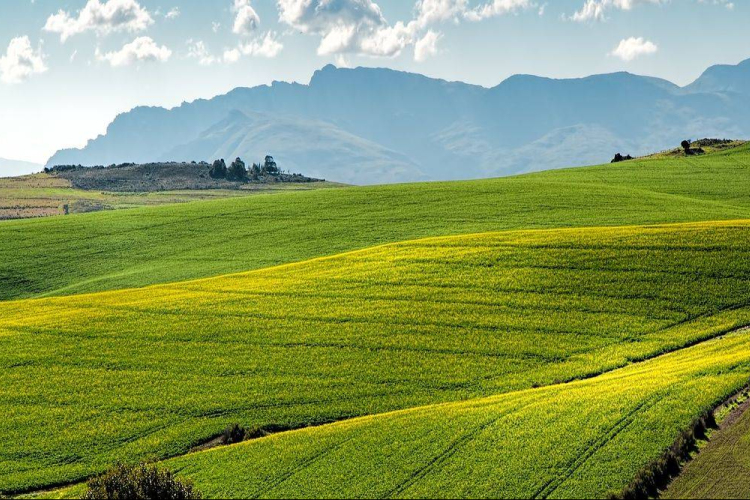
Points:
(237, 171)
(689, 150)
(618, 158)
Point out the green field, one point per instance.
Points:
(43, 195)
(153, 372)
(131, 248)
(722, 469)
(579, 440)
(582, 440)
(486, 338)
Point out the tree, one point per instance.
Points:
(270, 167)
(237, 171)
(255, 171)
(218, 170)
(140, 482)
(685, 145)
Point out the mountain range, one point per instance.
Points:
(374, 125)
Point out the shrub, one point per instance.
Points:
(234, 433)
(140, 482)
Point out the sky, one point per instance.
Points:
(67, 68)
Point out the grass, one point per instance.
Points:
(139, 247)
(150, 373)
(722, 467)
(585, 439)
(43, 195)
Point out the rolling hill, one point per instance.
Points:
(154, 372)
(369, 125)
(491, 316)
(587, 439)
(105, 251)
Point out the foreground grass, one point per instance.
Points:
(43, 195)
(585, 439)
(722, 468)
(132, 248)
(149, 373)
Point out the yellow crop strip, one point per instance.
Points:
(149, 373)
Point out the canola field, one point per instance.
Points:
(146, 246)
(88, 380)
(587, 439)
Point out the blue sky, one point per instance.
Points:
(68, 67)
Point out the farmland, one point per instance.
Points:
(582, 440)
(722, 468)
(150, 373)
(43, 195)
(145, 246)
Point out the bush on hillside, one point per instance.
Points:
(234, 433)
(140, 482)
(618, 158)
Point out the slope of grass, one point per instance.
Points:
(105, 251)
(722, 468)
(585, 439)
(43, 195)
(91, 379)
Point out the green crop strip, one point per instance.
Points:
(138, 247)
(148, 373)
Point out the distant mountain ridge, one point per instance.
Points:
(12, 168)
(371, 125)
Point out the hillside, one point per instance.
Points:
(582, 440)
(153, 372)
(44, 195)
(139, 247)
(170, 176)
(722, 467)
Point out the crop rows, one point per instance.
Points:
(106, 251)
(149, 373)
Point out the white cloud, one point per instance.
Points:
(359, 27)
(498, 8)
(141, 49)
(174, 13)
(246, 19)
(426, 46)
(197, 50)
(632, 48)
(112, 15)
(21, 61)
(267, 46)
(438, 11)
(345, 26)
(724, 3)
(215, 27)
(596, 10)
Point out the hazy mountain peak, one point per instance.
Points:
(724, 78)
(370, 125)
